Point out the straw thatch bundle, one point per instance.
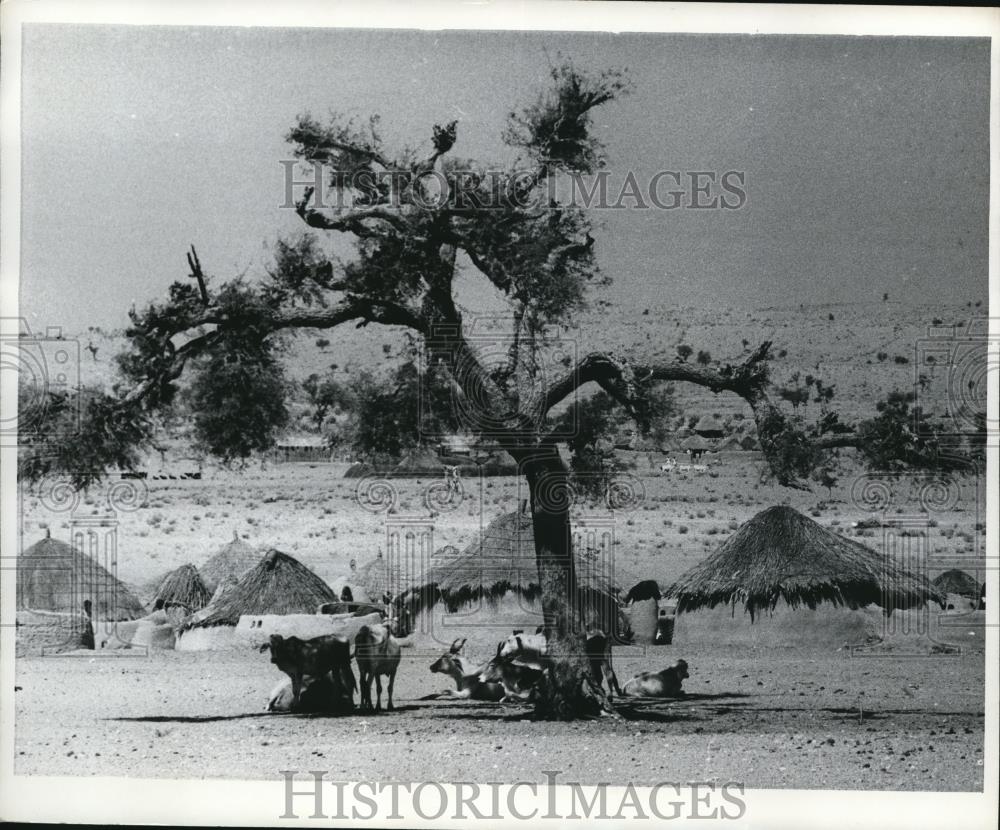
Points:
(234, 559)
(957, 582)
(782, 555)
(182, 587)
(54, 576)
(503, 561)
(278, 584)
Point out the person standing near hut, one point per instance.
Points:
(87, 626)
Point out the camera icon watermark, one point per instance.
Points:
(954, 368)
(48, 376)
(500, 378)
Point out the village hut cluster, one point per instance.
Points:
(780, 565)
(240, 595)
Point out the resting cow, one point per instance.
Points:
(666, 683)
(466, 676)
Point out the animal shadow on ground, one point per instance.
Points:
(244, 715)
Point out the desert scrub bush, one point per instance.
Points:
(712, 531)
(733, 524)
(701, 514)
(682, 529)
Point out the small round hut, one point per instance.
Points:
(182, 589)
(279, 585)
(958, 582)
(499, 569)
(234, 559)
(783, 561)
(54, 576)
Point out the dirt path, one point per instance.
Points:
(769, 720)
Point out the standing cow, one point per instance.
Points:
(377, 653)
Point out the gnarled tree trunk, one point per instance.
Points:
(567, 690)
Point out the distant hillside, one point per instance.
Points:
(866, 350)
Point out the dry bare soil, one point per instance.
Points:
(757, 713)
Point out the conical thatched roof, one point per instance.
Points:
(782, 555)
(374, 578)
(695, 442)
(503, 560)
(234, 559)
(183, 587)
(419, 462)
(278, 584)
(358, 470)
(53, 576)
(709, 425)
(957, 582)
(227, 583)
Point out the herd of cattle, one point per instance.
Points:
(320, 677)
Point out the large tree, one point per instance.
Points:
(417, 221)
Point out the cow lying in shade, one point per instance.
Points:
(326, 658)
(318, 695)
(666, 683)
(466, 675)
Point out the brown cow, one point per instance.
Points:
(377, 653)
(314, 658)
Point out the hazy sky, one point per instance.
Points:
(866, 159)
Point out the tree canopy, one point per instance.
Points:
(417, 220)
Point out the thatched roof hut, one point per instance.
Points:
(227, 583)
(418, 462)
(503, 560)
(695, 443)
(957, 582)
(359, 469)
(55, 576)
(182, 587)
(709, 427)
(278, 584)
(234, 559)
(780, 554)
(373, 578)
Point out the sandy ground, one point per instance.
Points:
(771, 719)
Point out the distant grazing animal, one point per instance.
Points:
(466, 676)
(668, 465)
(313, 658)
(666, 683)
(377, 653)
